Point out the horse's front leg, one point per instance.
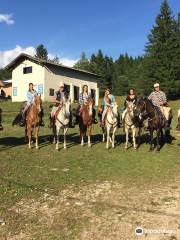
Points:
(151, 140)
(89, 135)
(57, 138)
(134, 138)
(29, 130)
(54, 134)
(158, 144)
(127, 137)
(82, 138)
(108, 136)
(36, 136)
(65, 132)
(139, 137)
(113, 137)
(103, 130)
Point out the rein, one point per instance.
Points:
(64, 125)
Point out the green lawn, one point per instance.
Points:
(27, 173)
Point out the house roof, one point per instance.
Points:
(24, 56)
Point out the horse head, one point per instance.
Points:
(67, 106)
(37, 102)
(115, 109)
(88, 106)
(131, 107)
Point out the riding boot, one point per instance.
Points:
(23, 120)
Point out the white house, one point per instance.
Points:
(46, 77)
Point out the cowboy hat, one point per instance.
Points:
(156, 85)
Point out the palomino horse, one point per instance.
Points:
(62, 117)
(85, 121)
(1, 127)
(129, 123)
(156, 122)
(178, 125)
(111, 124)
(32, 120)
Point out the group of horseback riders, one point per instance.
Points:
(157, 97)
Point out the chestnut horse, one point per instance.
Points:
(32, 121)
(85, 121)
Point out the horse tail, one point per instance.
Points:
(17, 119)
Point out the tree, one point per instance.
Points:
(41, 52)
(83, 62)
(163, 51)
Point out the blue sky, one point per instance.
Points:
(67, 28)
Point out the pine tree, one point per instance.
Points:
(41, 52)
(162, 51)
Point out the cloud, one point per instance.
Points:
(8, 55)
(7, 18)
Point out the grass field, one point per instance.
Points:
(85, 193)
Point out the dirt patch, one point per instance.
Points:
(99, 211)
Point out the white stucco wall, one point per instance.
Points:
(48, 77)
(21, 81)
(53, 77)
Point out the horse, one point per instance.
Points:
(146, 110)
(1, 127)
(33, 120)
(61, 121)
(111, 122)
(85, 120)
(129, 124)
(178, 125)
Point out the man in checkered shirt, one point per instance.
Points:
(158, 98)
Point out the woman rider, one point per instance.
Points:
(31, 93)
(83, 99)
(108, 100)
(132, 97)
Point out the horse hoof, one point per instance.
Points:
(37, 148)
(89, 146)
(65, 148)
(135, 148)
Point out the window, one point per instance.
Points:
(27, 70)
(51, 92)
(40, 89)
(14, 91)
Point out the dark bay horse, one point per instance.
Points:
(1, 127)
(178, 125)
(33, 120)
(156, 122)
(86, 121)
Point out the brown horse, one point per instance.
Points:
(156, 122)
(1, 127)
(33, 120)
(85, 121)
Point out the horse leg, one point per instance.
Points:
(36, 136)
(151, 140)
(127, 137)
(65, 131)
(29, 130)
(113, 137)
(103, 130)
(134, 138)
(54, 133)
(108, 133)
(82, 138)
(158, 145)
(139, 137)
(57, 136)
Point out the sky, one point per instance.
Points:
(68, 28)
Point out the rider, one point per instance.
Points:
(132, 97)
(159, 100)
(61, 96)
(108, 100)
(83, 99)
(31, 93)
